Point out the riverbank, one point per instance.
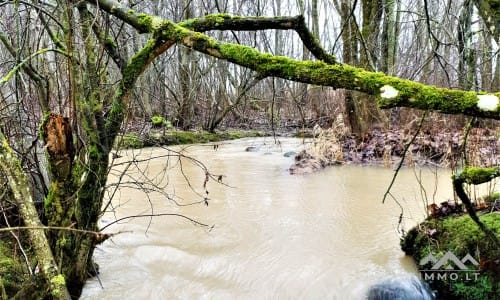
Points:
(377, 147)
(334, 146)
(460, 236)
(387, 147)
(169, 137)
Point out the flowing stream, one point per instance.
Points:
(275, 236)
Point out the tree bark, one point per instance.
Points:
(19, 187)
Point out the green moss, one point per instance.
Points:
(152, 23)
(12, 271)
(490, 199)
(137, 63)
(477, 175)
(130, 140)
(159, 121)
(144, 20)
(461, 236)
(52, 204)
(172, 137)
(58, 283)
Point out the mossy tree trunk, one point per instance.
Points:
(475, 176)
(349, 56)
(51, 275)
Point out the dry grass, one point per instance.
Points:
(328, 143)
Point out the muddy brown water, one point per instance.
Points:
(275, 236)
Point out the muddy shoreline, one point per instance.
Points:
(387, 147)
(438, 147)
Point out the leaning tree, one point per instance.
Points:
(78, 138)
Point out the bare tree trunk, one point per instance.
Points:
(186, 111)
(349, 56)
(465, 63)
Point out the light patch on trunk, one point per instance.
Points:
(487, 102)
(388, 92)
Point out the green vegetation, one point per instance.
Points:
(172, 137)
(175, 137)
(130, 140)
(490, 199)
(12, 272)
(159, 121)
(461, 236)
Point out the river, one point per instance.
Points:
(272, 235)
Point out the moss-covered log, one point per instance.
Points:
(236, 23)
(390, 91)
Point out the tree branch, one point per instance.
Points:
(475, 176)
(235, 23)
(391, 91)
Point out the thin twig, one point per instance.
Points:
(158, 215)
(407, 147)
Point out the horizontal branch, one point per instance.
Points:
(476, 175)
(236, 23)
(390, 91)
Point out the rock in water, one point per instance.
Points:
(290, 153)
(252, 149)
(400, 288)
(305, 163)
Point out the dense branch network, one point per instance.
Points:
(390, 91)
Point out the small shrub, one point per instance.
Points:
(159, 121)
